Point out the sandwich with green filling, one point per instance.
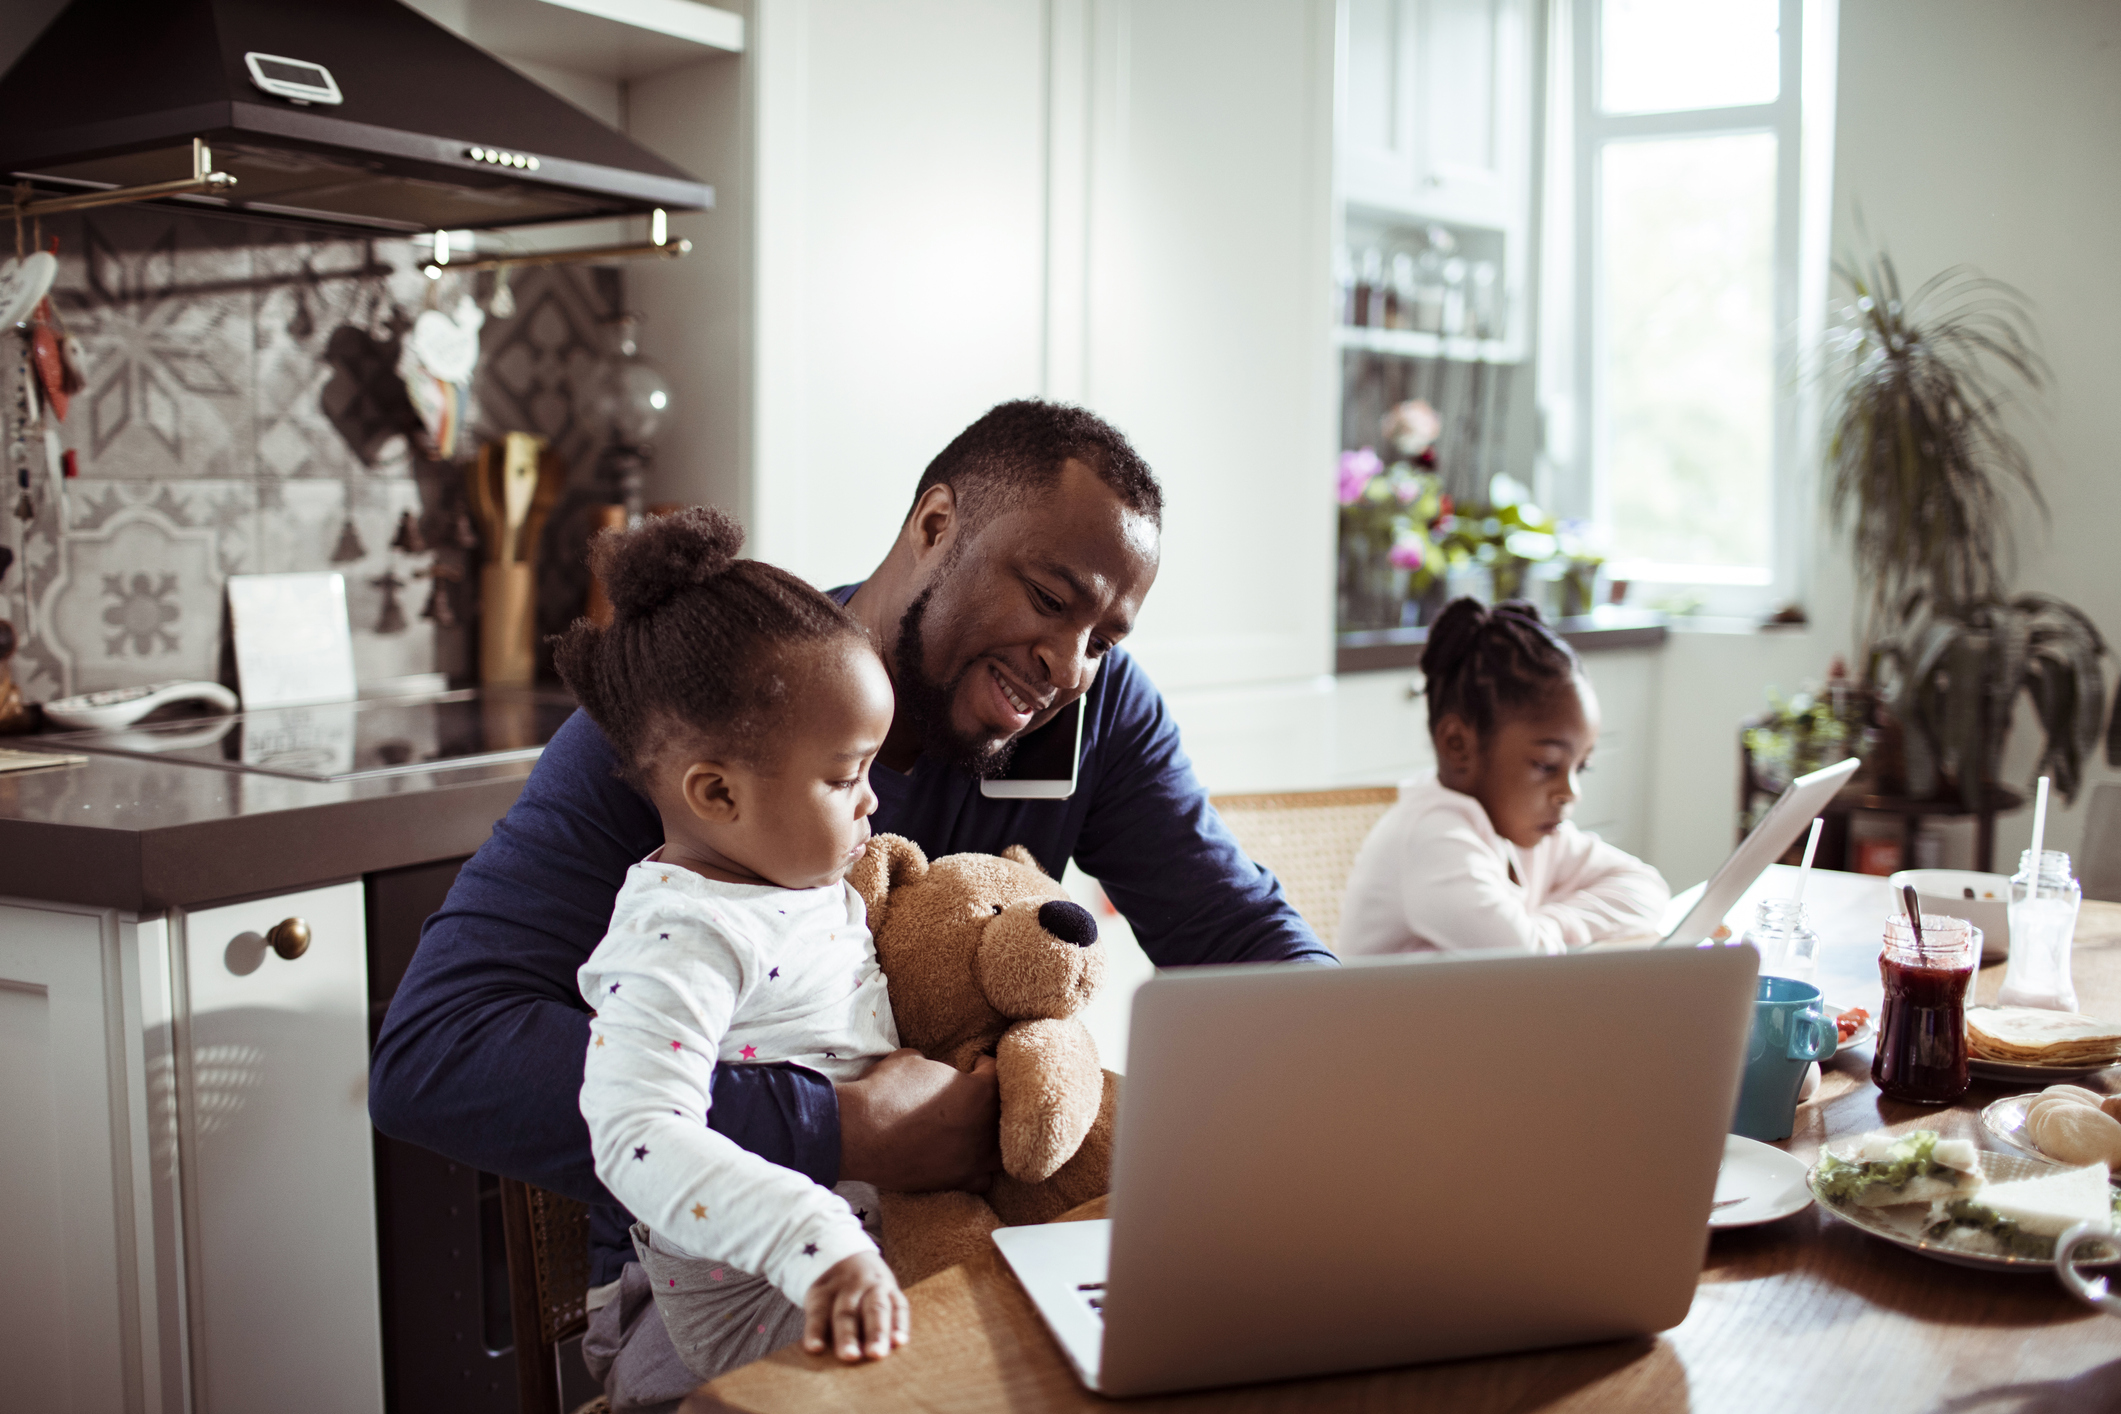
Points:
(1886, 1169)
(2023, 1218)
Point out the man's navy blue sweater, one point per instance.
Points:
(480, 1057)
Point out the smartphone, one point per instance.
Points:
(1044, 763)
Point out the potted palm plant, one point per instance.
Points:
(1919, 470)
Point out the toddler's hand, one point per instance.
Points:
(858, 1307)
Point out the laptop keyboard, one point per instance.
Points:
(1094, 1295)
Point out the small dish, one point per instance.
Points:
(2005, 1122)
(1904, 1225)
(1863, 1032)
(1757, 1183)
(2029, 1074)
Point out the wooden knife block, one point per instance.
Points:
(508, 621)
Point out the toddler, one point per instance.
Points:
(1480, 852)
(747, 707)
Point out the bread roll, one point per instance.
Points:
(2111, 1105)
(2043, 1103)
(2074, 1092)
(2075, 1134)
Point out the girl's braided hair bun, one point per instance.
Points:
(700, 642)
(646, 567)
(1480, 662)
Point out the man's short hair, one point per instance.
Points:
(1017, 449)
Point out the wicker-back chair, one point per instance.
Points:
(548, 1286)
(1309, 839)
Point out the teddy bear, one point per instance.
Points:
(986, 955)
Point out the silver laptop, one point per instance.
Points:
(1702, 908)
(1400, 1160)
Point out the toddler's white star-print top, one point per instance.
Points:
(695, 973)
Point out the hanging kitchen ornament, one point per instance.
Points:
(349, 547)
(46, 359)
(408, 540)
(503, 303)
(440, 354)
(440, 607)
(392, 619)
(25, 280)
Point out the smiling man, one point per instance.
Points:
(1033, 540)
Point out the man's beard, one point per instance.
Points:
(930, 702)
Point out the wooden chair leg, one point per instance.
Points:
(537, 1376)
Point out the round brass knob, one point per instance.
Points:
(289, 938)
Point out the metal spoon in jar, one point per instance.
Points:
(1914, 911)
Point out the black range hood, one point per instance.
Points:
(429, 131)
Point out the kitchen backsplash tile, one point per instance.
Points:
(244, 415)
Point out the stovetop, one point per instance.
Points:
(348, 741)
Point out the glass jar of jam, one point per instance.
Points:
(1921, 1050)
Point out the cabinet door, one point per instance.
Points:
(281, 1179)
(1617, 789)
(1377, 155)
(63, 1326)
(1473, 96)
(1381, 728)
(1436, 111)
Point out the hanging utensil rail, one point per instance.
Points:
(658, 245)
(203, 178)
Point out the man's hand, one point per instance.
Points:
(913, 1125)
(857, 1308)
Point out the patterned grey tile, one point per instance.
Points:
(137, 595)
(160, 302)
(244, 406)
(329, 402)
(540, 370)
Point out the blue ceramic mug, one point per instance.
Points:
(1790, 1031)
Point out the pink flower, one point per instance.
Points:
(1408, 490)
(1411, 427)
(1405, 555)
(1357, 469)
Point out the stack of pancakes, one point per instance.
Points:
(2023, 1035)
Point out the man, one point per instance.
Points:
(1032, 541)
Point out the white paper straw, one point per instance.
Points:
(2039, 823)
(1804, 872)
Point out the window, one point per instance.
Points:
(1685, 235)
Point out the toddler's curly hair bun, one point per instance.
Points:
(1479, 662)
(698, 638)
(646, 567)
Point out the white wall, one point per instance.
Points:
(899, 235)
(1985, 134)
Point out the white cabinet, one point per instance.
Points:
(280, 1172)
(1615, 801)
(1380, 728)
(89, 1301)
(1436, 116)
(187, 1189)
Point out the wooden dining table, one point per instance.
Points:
(1804, 1313)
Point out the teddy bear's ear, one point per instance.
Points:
(888, 862)
(1022, 856)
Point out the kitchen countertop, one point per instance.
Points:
(1604, 628)
(141, 836)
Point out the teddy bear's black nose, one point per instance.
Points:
(1070, 922)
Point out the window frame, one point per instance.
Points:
(1572, 346)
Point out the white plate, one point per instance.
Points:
(1903, 1225)
(2005, 1122)
(2035, 1074)
(1765, 1183)
(1863, 1033)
